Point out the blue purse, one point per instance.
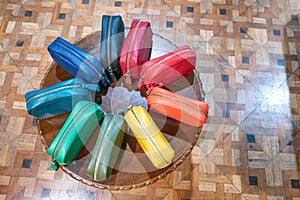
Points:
(112, 39)
(77, 62)
(59, 98)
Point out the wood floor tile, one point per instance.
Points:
(248, 58)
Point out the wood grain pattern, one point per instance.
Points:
(248, 59)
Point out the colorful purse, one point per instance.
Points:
(77, 62)
(136, 49)
(150, 138)
(106, 151)
(75, 132)
(112, 39)
(59, 98)
(178, 107)
(167, 68)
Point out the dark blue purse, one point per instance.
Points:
(59, 98)
(77, 62)
(112, 39)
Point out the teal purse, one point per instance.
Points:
(112, 39)
(107, 148)
(59, 98)
(75, 132)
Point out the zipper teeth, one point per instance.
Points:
(54, 90)
(108, 41)
(130, 47)
(152, 142)
(169, 57)
(69, 127)
(180, 101)
(80, 56)
(100, 151)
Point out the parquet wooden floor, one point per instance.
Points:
(248, 56)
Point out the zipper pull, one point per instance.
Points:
(159, 85)
(130, 107)
(120, 112)
(128, 78)
(54, 165)
(111, 74)
(148, 92)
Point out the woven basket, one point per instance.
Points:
(133, 169)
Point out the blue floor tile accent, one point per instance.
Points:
(281, 62)
(34, 122)
(118, 3)
(295, 183)
(61, 16)
(19, 43)
(169, 24)
(89, 195)
(226, 113)
(225, 78)
(253, 180)
(251, 138)
(243, 30)
(190, 9)
(295, 17)
(223, 12)
(26, 163)
(46, 193)
(28, 13)
(245, 60)
(277, 32)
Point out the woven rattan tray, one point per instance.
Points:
(133, 169)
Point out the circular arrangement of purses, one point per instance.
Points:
(116, 94)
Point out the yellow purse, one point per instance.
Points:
(149, 136)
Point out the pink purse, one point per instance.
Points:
(136, 49)
(167, 68)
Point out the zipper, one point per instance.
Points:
(101, 149)
(108, 42)
(81, 57)
(69, 127)
(54, 90)
(130, 47)
(180, 101)
(163, 60)
(155, 146)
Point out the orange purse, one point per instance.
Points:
(186, 110)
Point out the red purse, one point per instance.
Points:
(167, 68)
(186, 110)
(136, 49)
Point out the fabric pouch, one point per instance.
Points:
(112, 39)
(189, 111)
(149, 136)
(136, 49)
(77, 62)
(107, 148)
(167, 68)
(59, 98)
(75, 132)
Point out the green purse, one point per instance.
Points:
(75, 132)
(107, 148)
